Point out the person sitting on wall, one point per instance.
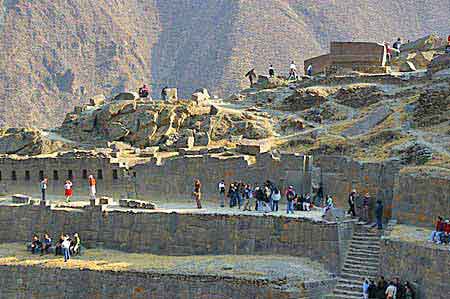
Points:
(75, 244)
(144, 91)
(435, 235)
(36, 244)
(46, 244)
(58, 245)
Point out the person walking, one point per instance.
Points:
(365, 288)
(43, 186)
(351, 203)
(309, 70)
(92, 187)
(68, 192)
(248, 196)
(271, 71)
(290, 198)
(251, 76)
(379, 214)
(164, 93)
(292, 71)
(221, 187)
(66, 248)
(365, 208)
(197, 193)
(276, 196)
(391, 291)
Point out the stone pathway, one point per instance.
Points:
(362, 262)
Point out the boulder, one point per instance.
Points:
(185, 142)
(253, 147)
(104, 200)
(213, 110)
(21, 199)
(127, 96)
(201, 139)
(200, 96)
(97, 100)
(117, 131)
(407, 66)
(140, 204)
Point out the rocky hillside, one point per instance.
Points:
(55, 53)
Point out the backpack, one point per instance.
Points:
(290, 195)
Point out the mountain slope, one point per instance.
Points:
(54, 54)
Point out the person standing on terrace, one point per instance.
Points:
(68, 192)
(197, 193)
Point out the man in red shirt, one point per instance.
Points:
(435, 234)
(446, 236)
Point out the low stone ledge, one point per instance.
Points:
(21, 199)
(136, 204)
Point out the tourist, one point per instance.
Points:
(400, 288)
(447, 49)
(365, 288)
(309, 70)
(232, 194)
(445, 238)
(248, 196)
(197, 193)
(372, 290)
(268, 186)
(251, 76)
(271, 71)
(221, 187)
(448, 40)
(68, 192)
(36, 244)
(58, 245)
(164, 93)
(379, 214)
(43, 186)
(391, 291)
(307, 203)
(66, 248)
(144, 91)
(292, 71)
(388, 53)
(92, 186)
(381, 288)
(439, 228)
(75, 244)
(351, 203)
(258, 194)
(365, 208)
(276, 196)
(409, 292)
(46, 244)
(319, 195)
(240, 194)
(397, 45)
(290, 198)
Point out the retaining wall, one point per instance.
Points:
(183, 234)
(27, 282)
(425, 266)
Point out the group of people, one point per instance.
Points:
(394, 289)
(265, 197)
(68, 188)
(293, 72)
(364, 210)
(441, 233)
(65, 246)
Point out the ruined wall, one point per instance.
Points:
(421, 196)
(25, 175)
(174, 177)
(181, 234)
(418, 263)
(350, 53)
(340, 175)
(27, 282)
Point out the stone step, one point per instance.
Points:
(362, 260)
(366, 238)
(365, 246)
(362, 272)
(338, 296)
(365, 242)
(363, 254)
(355, 277)
(350, 281)
(349, 266)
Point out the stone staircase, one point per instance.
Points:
(362, 262)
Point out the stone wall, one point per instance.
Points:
(340, 175)
(420, 264)
(27, 282)
(23, 175)
(422, 195)
(173, 178)
(319, 64)
(351, 53)
(169, 178)
(182, 234)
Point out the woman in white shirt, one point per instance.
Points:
(68, 190)
(65, 248)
